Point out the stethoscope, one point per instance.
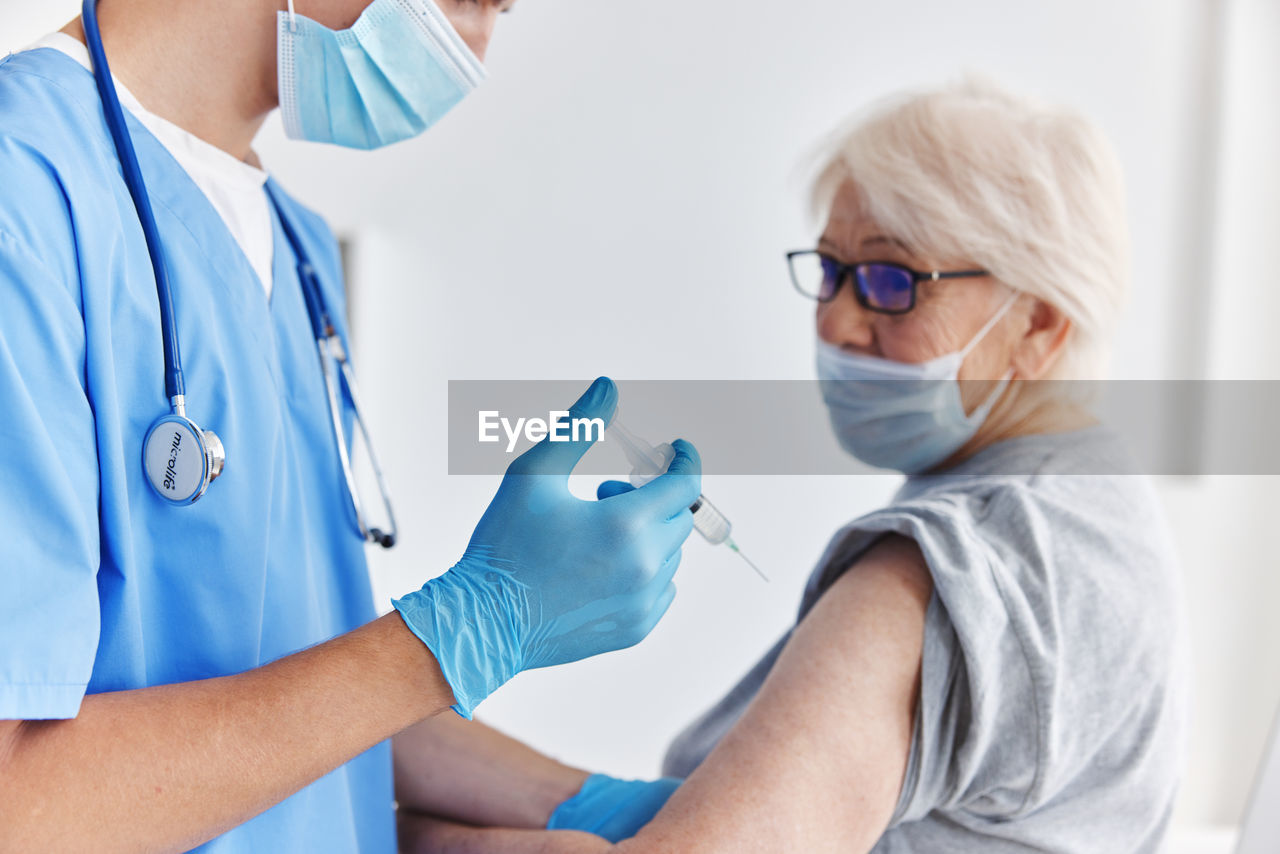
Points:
(179, 458)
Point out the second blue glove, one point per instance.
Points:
(614, 809)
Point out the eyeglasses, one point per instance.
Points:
(878, 285)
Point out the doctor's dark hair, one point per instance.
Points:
(1031, 192)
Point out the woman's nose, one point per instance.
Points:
(475, 24)
(844, 323)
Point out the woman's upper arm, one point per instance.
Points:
(817, 761)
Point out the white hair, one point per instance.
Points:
(1031, 192)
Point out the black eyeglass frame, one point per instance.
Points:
(850, 272)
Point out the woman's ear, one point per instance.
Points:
(1043, 341)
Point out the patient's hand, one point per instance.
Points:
(612, 808)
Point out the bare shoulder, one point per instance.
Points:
(892, 572)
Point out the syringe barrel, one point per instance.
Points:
(649, 462)
(710, 522)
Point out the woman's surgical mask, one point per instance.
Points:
(390, 76)
(899, 415)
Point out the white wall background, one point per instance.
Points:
(616, 200)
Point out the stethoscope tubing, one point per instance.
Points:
(174, 386)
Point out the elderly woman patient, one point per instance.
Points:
(988, 664)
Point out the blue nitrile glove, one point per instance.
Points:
(548, 578)
(614, 809)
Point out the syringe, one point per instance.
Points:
(647, 462)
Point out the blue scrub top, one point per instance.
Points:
(103, 586)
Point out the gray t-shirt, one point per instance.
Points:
(1052, 698)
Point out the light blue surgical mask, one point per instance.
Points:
(898, 415)
(390, 76)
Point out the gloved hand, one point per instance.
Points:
(548, 578)
(614, 809)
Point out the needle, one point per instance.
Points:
(731, 544)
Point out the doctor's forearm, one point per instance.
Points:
(423, 834)
(493, 779)
(169, 767)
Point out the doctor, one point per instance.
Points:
(188, 660)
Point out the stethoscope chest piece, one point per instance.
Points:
(180, 459)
